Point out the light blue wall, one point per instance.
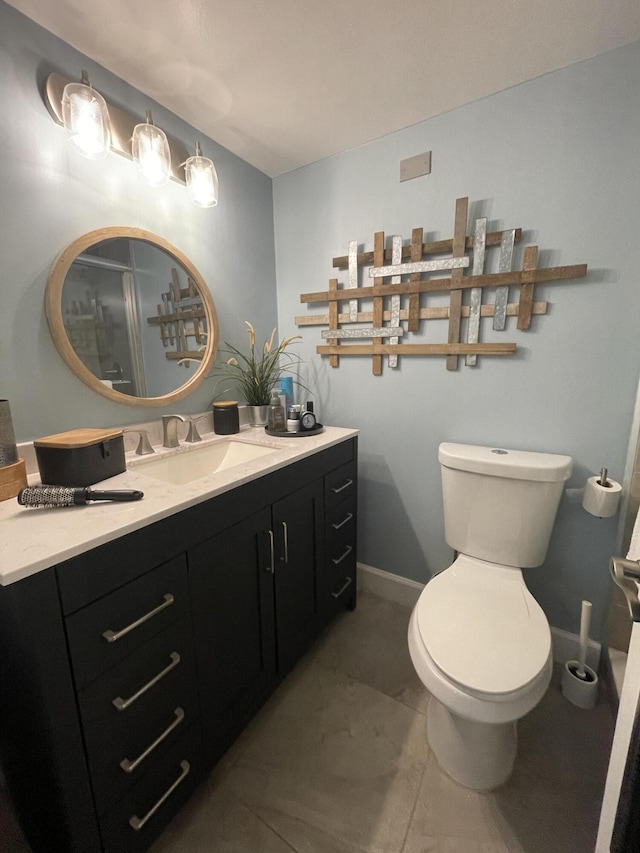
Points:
(50, 196)
(558, 157)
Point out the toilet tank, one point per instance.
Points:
(500, 505)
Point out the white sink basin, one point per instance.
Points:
(202, 461)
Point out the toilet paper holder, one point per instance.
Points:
(626, 574)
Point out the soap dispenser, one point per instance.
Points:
(275, 415)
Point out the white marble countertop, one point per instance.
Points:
(33, 539)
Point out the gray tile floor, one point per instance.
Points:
(337, 762)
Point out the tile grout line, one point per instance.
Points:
(415, 804)
(371, 687)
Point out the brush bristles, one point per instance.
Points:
(46, 496)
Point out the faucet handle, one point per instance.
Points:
(144, 447)
(193, 435)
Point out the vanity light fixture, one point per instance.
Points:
(86, 116)
(150, 150)
(97, 127)
(202, 179)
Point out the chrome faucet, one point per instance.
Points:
(170, 430)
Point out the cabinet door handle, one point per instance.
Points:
(122, 704)
(337, 560)
(130, 766)
(111, 636)
(349, 516)
(272, 553)
(138, 822)
(342, 588)
(342, 488)
(285, 535)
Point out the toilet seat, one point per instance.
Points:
(483, 630)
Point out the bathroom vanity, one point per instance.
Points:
(139, 639)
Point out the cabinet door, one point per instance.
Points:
(232, 598)
(298, 531)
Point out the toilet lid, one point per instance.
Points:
(482, 627)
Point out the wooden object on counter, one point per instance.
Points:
(12, 479)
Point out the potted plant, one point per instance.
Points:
(258, 372)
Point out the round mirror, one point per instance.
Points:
(131, 316)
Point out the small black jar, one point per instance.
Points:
(226, 418)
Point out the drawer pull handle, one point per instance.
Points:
(342, 488)
(337, 560)
(122, 704)
(130, 766)
(111, 636)
(342, 588)
(285, 535)
(138, 822)
(343, 522)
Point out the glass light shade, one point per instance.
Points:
(150, 149)
(202, 181)
(86, 117)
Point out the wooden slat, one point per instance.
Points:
(547, 275)
(175, 356)
(441, 313)
(455, 299)
(529, 264)
(334, 360)
(163, 328)
(419, 349)
(189, 314)
(378, 306)
(438, 247)
(394, 313)
(414, 295)
(176, 293)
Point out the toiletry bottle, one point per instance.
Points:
(275, 415)
(293, 418)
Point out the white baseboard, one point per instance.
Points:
(404, 591)
(389, 586)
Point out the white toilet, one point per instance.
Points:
(478, 639)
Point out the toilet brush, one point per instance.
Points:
(585, 622)
(579, 681)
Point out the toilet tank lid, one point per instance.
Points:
(500, 462)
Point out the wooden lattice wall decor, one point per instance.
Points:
(388, 291)
(181, 316)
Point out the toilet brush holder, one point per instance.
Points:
(580, 690)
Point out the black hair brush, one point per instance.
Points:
(64, 496)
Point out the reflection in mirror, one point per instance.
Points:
(125, 310)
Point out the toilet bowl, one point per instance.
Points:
(478, 639)
(481, 645)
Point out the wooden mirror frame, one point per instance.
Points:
(53, 311)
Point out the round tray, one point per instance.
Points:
(304, 434)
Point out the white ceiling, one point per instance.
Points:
(283, 83)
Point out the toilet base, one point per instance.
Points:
(479, 756)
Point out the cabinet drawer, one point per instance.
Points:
(340, 565)
(133, 824)
(133, 704)
(340, 484)
(105, 632)
(341, 520)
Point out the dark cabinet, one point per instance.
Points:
(233, 620)
(341, 510)
(297, 531)
(130, 669)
